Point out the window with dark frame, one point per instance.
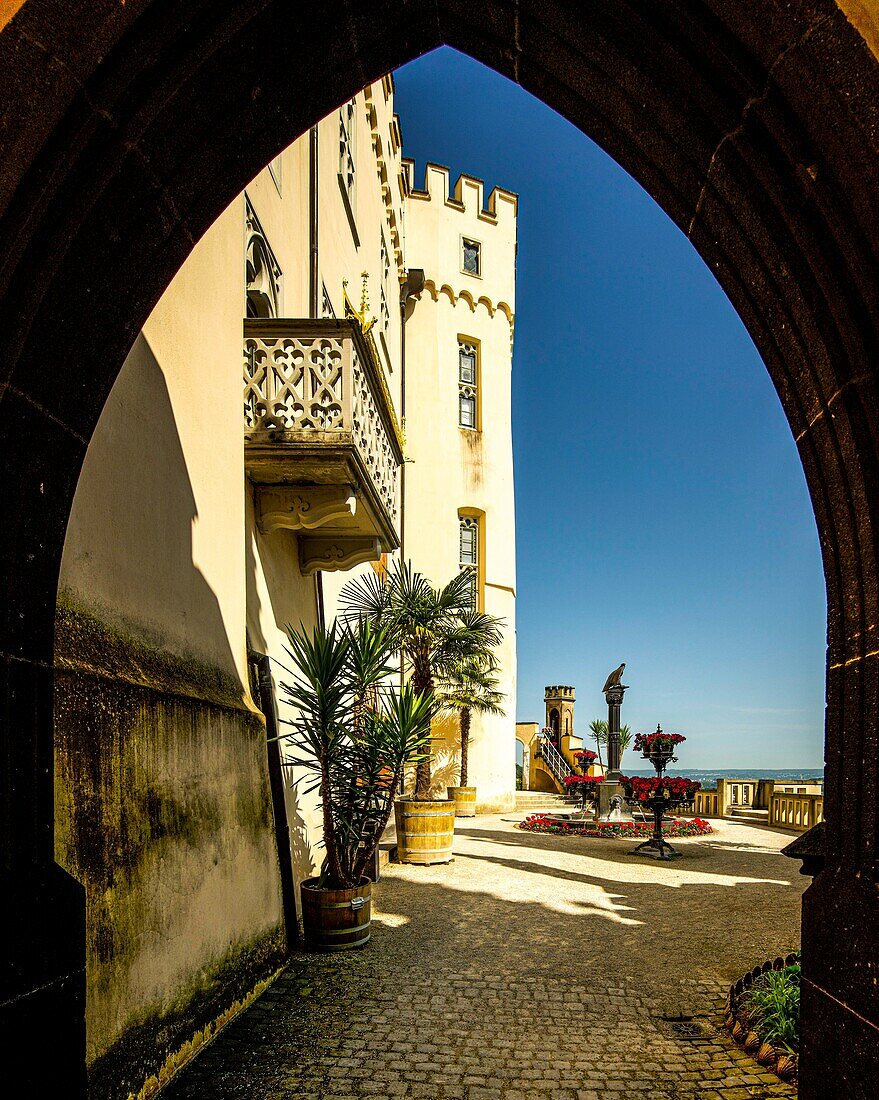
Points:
(472, 257)
(468, 554)
(468, 383)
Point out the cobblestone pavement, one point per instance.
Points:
(530, 968)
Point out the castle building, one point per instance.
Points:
(460, 511)
(373, 321)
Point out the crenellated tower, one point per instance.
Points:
(458, 478)
(559, 700)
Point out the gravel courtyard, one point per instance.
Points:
(531, 968)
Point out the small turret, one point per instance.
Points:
(559, 699)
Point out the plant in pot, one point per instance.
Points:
(469, 685)
(433, 629)
(353, 734)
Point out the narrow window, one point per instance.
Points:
(262, 273)
(468, 370)
(386, 271)
(472, 257)
(346, 150)
(468, 554)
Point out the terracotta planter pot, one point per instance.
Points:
(766, 1055)
(464, 799)
(336, 920)
(425, 831)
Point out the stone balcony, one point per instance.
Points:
(322, 444)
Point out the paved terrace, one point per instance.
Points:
(531, 968)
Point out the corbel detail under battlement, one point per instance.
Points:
(333, 554)
(302, 507)
(431, 288)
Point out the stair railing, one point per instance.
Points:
(554, 761)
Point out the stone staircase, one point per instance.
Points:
(748, 814)
(539, 802)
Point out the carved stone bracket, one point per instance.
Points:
(333, 554)
(303, 508)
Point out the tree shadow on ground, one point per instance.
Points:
(710, 855)
(501, 945)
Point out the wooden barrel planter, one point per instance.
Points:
(425, 831)
(464, 799)
(336, 920)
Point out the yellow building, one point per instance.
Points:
(207, 519)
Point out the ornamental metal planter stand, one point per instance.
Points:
(657, 847)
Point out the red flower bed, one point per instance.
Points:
(585, 756)
(631, 830)
(680, 789)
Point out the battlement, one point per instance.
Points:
(558, 691)
(467, 196)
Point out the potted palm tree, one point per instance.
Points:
(433, 629)
(468, 686)
(353, 734)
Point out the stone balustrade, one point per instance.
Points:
(796, 811)
(321, 439)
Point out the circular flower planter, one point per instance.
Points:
(735, 1018)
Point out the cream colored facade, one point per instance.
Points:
(458, 476)
(195, 539)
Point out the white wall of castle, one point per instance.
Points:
(163, 545)
(453, 469)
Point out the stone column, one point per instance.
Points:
(614, 697)
(611, 788)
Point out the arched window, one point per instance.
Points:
(469, 553)
(262, 272)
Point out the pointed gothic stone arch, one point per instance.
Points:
(126, 129)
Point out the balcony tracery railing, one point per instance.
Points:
(314, 387)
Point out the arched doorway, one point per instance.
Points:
(554, 726)
(752, 129)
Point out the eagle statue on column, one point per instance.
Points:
(615, 678)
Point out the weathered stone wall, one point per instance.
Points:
(163, 814)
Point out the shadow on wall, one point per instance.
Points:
(279, 595)
(162, 804)
(445, 768)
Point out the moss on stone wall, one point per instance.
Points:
(145, 1046)
(163, 812)
(130, 654)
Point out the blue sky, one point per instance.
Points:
(662, 512)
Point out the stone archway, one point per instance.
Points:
(124, 131)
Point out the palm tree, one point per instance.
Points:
(434, 629)
(598, 728)
(466, 687)
(625, 741)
